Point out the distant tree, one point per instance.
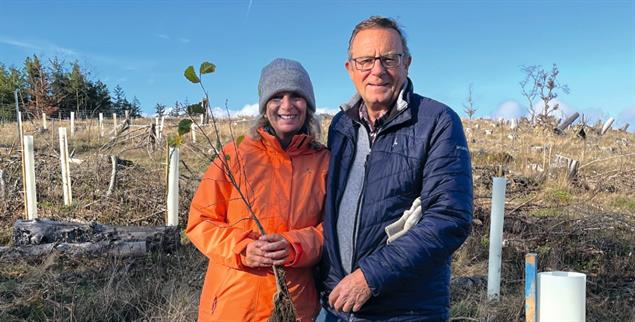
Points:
(78, 88)
(98, 98)
(10, 80)
(469, 104)
(58, 86)
(39, 88)
(135, 107)
(119, 101)
(159, 109)
(542, 85)
(176, 111)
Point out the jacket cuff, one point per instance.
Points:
(296, 251)
(375, 281)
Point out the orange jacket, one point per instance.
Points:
(286, 190)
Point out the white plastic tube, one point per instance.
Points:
(29, 178)
(114, 123)
(161, 127)
(157, 133)
(496, 238)
(64, 162)
(561, 297)
(101, 124)
(173, 187)
(72, 124)
(44, 125)
(607, 125)
(193, 134)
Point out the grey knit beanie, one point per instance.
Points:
(283, 75)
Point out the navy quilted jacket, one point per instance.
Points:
(420, 151)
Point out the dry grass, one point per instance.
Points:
(586, 224)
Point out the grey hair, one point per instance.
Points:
(380, 22)
(311, 125)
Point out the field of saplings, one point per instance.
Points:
(570, 199)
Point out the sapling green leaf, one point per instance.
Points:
(175, 140)
(207, 67)
(185, 126)
(239, 139)
(190, 74)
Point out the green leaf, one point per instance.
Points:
(195, 109)
(207, 67)
(227, 157)
(239, 139)
(175, 140)
(185, 126)
(190, 74)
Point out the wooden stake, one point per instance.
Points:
(530, 287)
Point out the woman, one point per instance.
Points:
(281, 169)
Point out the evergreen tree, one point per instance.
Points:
(159, 109)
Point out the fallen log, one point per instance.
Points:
(42, 236)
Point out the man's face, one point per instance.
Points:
(379, 86)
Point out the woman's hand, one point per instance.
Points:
(277, 248)
(268, 250)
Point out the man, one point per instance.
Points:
(388, 147)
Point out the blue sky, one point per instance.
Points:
(145, 45)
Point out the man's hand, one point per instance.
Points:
(268, 250)
(350, 293)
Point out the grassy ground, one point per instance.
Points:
(585, 224)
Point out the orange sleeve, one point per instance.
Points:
(307, 245)
(207, 226)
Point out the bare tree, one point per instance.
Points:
(469, 104)
(543, 85)
(529, 88)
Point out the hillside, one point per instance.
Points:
(582, 222)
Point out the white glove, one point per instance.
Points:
(409, 218)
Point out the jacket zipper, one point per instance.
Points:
(361, 197)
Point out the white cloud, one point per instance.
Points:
(184, 40)
(17, 43)
(327, 110)
(508, 110)
(163, 36)
(248, 110)
(45, 46)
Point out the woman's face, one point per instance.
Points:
(286, 112)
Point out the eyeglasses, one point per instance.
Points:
(366, 63)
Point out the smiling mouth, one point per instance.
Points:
(287, 116)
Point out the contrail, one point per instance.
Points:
(248, 9)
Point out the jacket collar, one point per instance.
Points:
(398, 114)
(300, 143)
